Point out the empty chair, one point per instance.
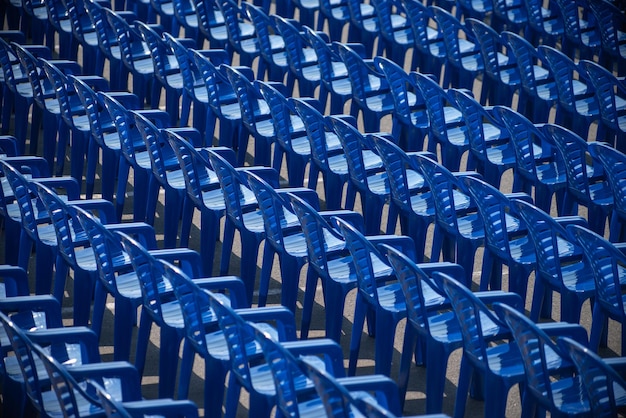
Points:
(607, 264)
(581, 30)
(429, 44)
(587, 183)
(397, 36)
(603, 385)
(511, 14)
(364, 18)
(610, 21)
(560, 264)
(59, 20)
(337, 15)
(545, 24)
(185, 14)
(211, 23)
(241, 34)
(85, 33)
(613, 162)
(550, 385)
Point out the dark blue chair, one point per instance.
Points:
(610, 21)
(397, 35)
(211, 24)
(545, 24)
(581, 30)
(241, 34)
(429, 44)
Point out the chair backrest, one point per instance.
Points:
(526, 57)
(436, 100)
(358, 72)
(491, 46)
(295, 44)
(159, 149)
(263, 27)
(537, 15)
(63, 90)
(400, 84)
(106, 34)
(331, 392)
(541, 357)
(601, 382)
(610, 20)
(419, 16)
(247, 96)
(209, 18)
(607, 264)
(317, 127)
(216, 82)
(608, 88)
(477, 321)
(127, 36)
(159, 51)
(389, 12)
(493, 207)
(233, 16)
(327, 57)
(130, 138)
(614, 164)
(191, 75)
(281, 110)
(36, 76)
(581, 33)
(453, 31)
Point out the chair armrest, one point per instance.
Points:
(333, 355)
(167, 407)
(226, 153)
(354, 218)
(97, 83)
(192, 135)
(236, 289)
(190, 260)
(67, 183)
(308, 195)
(283, 317)
(524, 197)
(143, 232)
(69, 335)
(129, 100)
(564, 221)
(37, 303)
(564, 329)
(101, 207)
(453, 270)
(160, 118)
(376, 383)
(512, 299)
(347, 118)
(216, 56)
(269, 174)
(128, 16)
(126, 372)
(15, 280)
(401, 243)
(618, 364)
(37, 165)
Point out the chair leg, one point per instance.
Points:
(360, 310)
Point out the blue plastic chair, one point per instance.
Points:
(560, 265)
(445, 122)
(610, 21)
(291, 137)
(490, 145)
(506, 240)
(166, 174)
(327, 155)
(307, 9)
(499, 365)
(410, 117)
(459, 229)
(85, 33)
(203, 191)
(587, 183)
(371, 95)
(185, 14)
(59, 20)
(606, 262)
(72, 250)
(383, 301)
(409, 192)
(283, 233)
(545, 25)
(577, 98)
(368, 176)
(211, 24)
(272, 47)
(397, 35)
(327, 259)
(243, 215)
(241, 34)
(337, 15)
(200, 326)
(302, 59)
(539, 92)
(603, 384)
(333, 71)
(581, 31)
(364, 18)
(167, 408)
(511, 14)
(164, 9)
(550, 385)
(255, 116)
(500, 64)
(167, 73)
(613, 162)
(135, 56)
(539, 166)
(428, 38)
(464, 58)
(610, 93)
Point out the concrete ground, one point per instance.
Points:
(415, 403)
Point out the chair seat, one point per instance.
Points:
(471, 227)
(505, 360)
(568, 395)
(391, 298)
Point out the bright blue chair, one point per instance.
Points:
(606, 262)
(577, 99)
(364, 18)
(409, 192)
(611, 24)
(410, 117)
(506, 240)
(539, 92)
(337, 15)
(499, 365)
(241, 34)
(581, 30)
(368, 176)
(327, 155)
(371, 95)
(211, 24)
(613, 162)
(550, 383)
(429, 45)
(511, 14)
(490, 145)
(465, 61)
(587, 183)
(85, 33)
(500, 65)
(185, 14)
(59, 20)
(459, 229)
(539, 166)
(603, 384)
(397, 35)
(545, 25)
(560, 264)
(610, 93)
(243, 215)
